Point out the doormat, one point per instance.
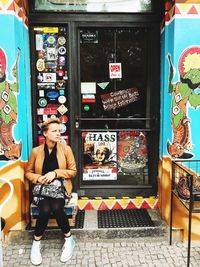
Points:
(79, 222)
(124, 218)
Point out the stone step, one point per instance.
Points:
(90, 230)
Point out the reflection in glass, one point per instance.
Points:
(95, 5)
(124, 97)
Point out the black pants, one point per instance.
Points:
(46, 206)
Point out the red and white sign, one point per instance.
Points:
(88, 98)
(119, 99)
(115, 70)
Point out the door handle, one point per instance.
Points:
(77, 125)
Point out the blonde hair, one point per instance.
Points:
(45, 124)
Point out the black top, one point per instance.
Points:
(50, 160)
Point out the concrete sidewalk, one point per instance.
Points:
(105, 253)
(141, 246)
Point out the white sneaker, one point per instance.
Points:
(36, 257)
(68, 249)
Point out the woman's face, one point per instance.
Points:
(53, 133)
(101, 154)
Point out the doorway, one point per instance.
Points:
(101, 80)
(116, 118)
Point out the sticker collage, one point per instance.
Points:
(51, 77)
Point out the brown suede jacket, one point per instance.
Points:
(66, 162)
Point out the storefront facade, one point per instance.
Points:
(102, 83)
(103, 70)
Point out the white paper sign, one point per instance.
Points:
(99, 174)
(39, 42)
(88, 88)
(115, 70)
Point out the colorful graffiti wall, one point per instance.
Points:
(15, 113)
(180, 98)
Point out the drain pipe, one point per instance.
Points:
(1, 207)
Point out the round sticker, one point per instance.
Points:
(86, 108)
(40, 64)
(63, 128)
(53, 116)
(63, 119)
(51, 39)
(60, 73)
(61, 61)
(62, 99)
(61, 40)
(62, 50)
(42, 102)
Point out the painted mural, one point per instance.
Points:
(183, 97)
(15, 118)
(9, 148)
(180, 100)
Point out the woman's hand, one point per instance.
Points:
(49, 177)
(41, 179)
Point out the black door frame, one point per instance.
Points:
(73, 22)
(117, 189)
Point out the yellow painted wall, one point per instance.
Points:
(15, 212)
(180, 213)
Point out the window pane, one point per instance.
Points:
(106, 97)
(95, 5)
(117, 158)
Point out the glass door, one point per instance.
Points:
(116, 117)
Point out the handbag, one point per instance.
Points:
(55, 189)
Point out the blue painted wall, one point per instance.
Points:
(11, 41)
(178, 36)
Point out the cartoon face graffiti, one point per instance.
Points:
(183, 93)
(9, 149)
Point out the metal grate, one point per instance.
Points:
(124, 218)
(79, 223)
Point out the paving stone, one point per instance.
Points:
(107, 253)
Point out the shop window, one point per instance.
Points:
(104, 6)
(113, 66)
(115, 157)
